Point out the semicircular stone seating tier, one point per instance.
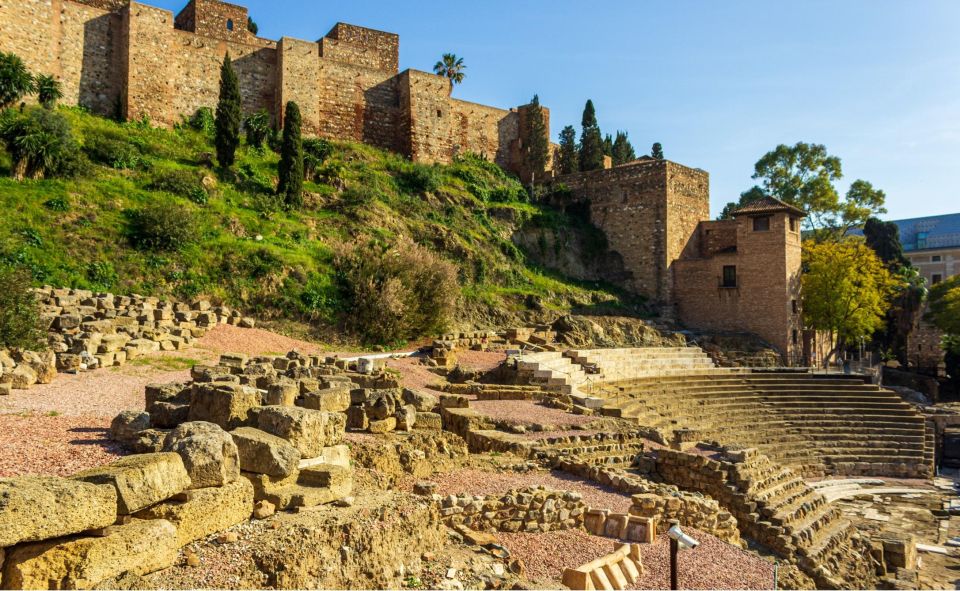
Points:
(820, 425)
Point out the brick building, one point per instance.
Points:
(127, 58)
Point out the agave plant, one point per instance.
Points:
(452, 67)
(39, 142)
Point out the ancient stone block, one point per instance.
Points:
(139, 548)
(201, 512)
(421, 401)
(35, 508)
(208, 452)
(328, 400)
(141, 480)
(428, 421)
(166, 415)
(383, 426)
(263, 453)
(227, 405)
(308, 430)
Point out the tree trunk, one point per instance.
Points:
(19, 169)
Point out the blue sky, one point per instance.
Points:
(717, 83)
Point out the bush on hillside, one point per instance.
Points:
(257, 127)
(15, 80)
(395, 294)
(20, 323)
(161, 227)
(49, 90)
(113, 152)
(418, 179)
(203, 120)
(40, 144)
(182, 182)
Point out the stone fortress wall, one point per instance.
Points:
(118, 57)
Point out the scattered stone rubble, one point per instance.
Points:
(88, 330)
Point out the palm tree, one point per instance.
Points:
(49, 90)
(451, 67)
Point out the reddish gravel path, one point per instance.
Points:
(480, 360)
(525, 412)
(480, 482)
(53, 445)
(546, 555)
(711, 565)
(414, 375)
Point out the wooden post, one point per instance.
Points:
(674, 548)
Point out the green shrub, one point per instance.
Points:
(315, 153)
(59, 204)
(182, 182)
(49, 90)
(203, 120)
(257, 127)
(160, 227)
(40, 144)
(395, 294)
(418, 179)
(102, 275)
(20, 323)
(15, 80)
(114, 152)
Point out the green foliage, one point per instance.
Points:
(623, 151)
(608, 145)
(418, 179)
(591, 141)
(228, 120)
(803, 175)
(40, 144)
(257, 126)
(746, 198)
(203, 120)
(180, 181)
(846, 290)
(536, 142)
(252, 26)
(15, 80)
(315, 153)
(944, 303)
(102, 275)
(884, 239)
(568, 159)
(158, 227)
(20, 323)
(452, 67)
(290, 168)
(49, 90)
(395, 294)
(114, 152)
(656, 152)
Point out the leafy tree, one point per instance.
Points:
(568, 160)
(657, 151)
(884, 239)
(229, 115)
(608, 145)
(257, 126)
(49, 90)
(451, 67)
(15, 80)
(252, 26)
(535, 141)
(747, 197)
(944, 305)
(40, 144)
(846, 291)
(803, 175)
(623, 151)
(290, 169)
(20, 323)
(591, 141)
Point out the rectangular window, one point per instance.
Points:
(761, 224)
(935, 258)
(796, 338)
(937, 278)
(793, 224)
(796, 307)
(729, 276)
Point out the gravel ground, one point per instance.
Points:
(525, 412)
(480, 360)
(711, 565)
(414, 375)
(53, 445)
(546, 555)
(481, 482)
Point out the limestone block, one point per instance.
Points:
(328, 400)
(227, 405)
(428, 421)
(308, 430)
(208, 452)
(21, 378)
(201, 512)
(174, 393)
(263, 453)
(357, 419)
(421, 401)
(141, 480)
(35, 508)
(283, 392)
(384, 426)
(338, 455)
(406, 417)
(139, 548)
(5, 389)
(149, 441)
(126, 425)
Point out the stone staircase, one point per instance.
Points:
(818, 425)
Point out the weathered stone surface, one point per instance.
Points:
(141, 480)
(201, 512)
(139, 548)
(149, 441)
(283, 392)
(357, 419)
(263, 453)
(167, 415)
(329, 400)
(22, 377)
(208, 452)
(227, 405)
(383, 426)
(421, 401)
(406, 417)
(308, 430)
(428, 421)
(126, 425)
(174, 393)
(34, 508)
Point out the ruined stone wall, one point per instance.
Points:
(768, 282)
(362, 47)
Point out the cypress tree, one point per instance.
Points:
(591, 141)
(608, 145)
(568, 159)
(535, 140)
(623, 151)
(657, 151)
(290, 169)
(229, 115)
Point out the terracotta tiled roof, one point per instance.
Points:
(768, 205)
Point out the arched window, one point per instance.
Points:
(229, 24)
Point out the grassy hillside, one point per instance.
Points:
(247, 251)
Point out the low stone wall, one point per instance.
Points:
(534, 509)
(618, 570)
(621, 526)
(88, 330)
